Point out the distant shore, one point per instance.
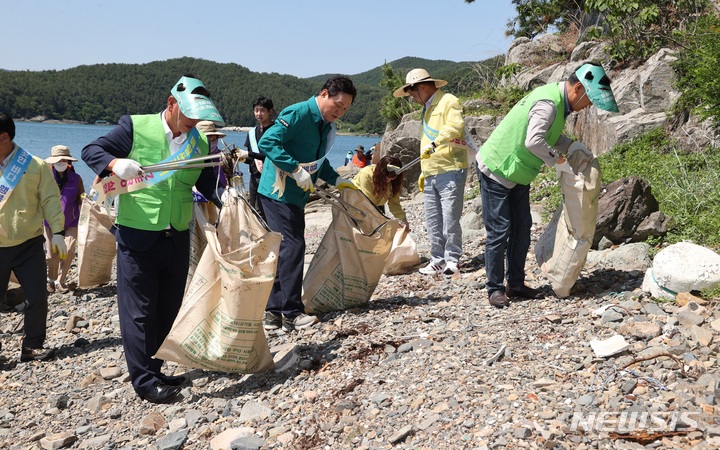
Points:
(41, 119)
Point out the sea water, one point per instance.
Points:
(38, 138)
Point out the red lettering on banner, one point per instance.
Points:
(108, 187)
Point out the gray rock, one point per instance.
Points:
(247, 443)
(173, 441)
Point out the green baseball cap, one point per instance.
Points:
(597, 86)
(195, 106)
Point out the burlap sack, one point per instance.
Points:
(403, 254)
(563, 247)
(349, 262)
(203, 213)
(95, 244)
(219, 326)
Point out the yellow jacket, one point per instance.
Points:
(363, 180)
(443, 123)
(36, 197)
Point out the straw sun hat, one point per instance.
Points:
(208, 128)
(414, 77)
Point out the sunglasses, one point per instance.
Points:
(412, 87)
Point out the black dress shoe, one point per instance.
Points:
(173, 380)
(36, 354)
(499, 300)
(160, 392)
(524, 292)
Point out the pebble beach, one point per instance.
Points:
(428, 363)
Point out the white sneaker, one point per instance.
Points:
(450, 269)
(433, 268)
(298, 322)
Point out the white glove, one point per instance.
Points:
(303, 179)
(241, 155)
(427, 151)
(58, 246)
(579, 157)
(126, 168)
(342, 183)
(229, 193)
(393, 168)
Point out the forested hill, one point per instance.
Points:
(108, 91)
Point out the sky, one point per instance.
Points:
(302, 38)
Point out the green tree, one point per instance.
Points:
(393, 108)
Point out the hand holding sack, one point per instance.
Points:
(579, 157)
(303, 179)
(58, 246)
(342, 183)
(126, 168)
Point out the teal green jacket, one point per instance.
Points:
(505, 154)
(169, 202)
(299, 135)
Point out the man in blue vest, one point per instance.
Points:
(152, 223)
(28, 194)
(528, 137)
(264, 112)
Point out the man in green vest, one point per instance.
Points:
(151, 229)
(528, 137)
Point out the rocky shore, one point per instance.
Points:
(427, 364)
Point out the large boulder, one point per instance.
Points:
(626, 210)
(682, 267)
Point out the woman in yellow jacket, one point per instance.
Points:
(383, 186)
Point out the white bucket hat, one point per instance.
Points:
(414, 77)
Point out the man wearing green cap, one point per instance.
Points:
(151, 229)
(528, 137)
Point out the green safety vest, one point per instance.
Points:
(505, 154)
(169, 202)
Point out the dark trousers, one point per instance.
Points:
(289, 220)
(254, 196)
(150, 288)
(506, 213)
(27, 260)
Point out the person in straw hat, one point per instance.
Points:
(152, 225)
(444, 168)
(28, 194)
(71, 194)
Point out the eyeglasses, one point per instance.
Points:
(412, 87)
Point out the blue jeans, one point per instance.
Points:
(506, 213)
(443, 207)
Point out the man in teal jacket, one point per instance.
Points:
(295, 148)
(528, 137)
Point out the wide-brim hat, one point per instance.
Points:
(59, 153)
(360, 148)
(414, 77)
(208, 129)
(195, 106)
